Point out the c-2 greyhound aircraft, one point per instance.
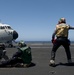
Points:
(7, 34)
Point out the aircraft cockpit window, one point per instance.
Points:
(5, 27)
(2, 27)
(9, 27)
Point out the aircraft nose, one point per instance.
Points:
(15, 35)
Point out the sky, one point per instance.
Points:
(35, 20)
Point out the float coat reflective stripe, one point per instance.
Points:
(26, 54)
(62, 30)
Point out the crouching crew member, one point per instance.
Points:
(3, 52)
(22, 57)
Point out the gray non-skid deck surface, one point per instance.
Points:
(41, 56)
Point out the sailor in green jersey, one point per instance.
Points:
(26, 53)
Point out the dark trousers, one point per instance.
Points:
(65, 43)
(12, 61)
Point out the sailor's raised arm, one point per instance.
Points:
(70, 27)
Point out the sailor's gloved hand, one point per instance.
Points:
(53, 41)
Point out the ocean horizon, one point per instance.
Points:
(40, 41)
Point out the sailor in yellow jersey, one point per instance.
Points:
(61, 33)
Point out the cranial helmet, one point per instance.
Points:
(21, 43)
(62, 20)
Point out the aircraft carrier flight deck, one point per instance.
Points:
(40, 57)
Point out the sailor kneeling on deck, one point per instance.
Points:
(22, 57)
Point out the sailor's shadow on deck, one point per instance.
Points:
(31, 65)
(18, 66)
(64, 64)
